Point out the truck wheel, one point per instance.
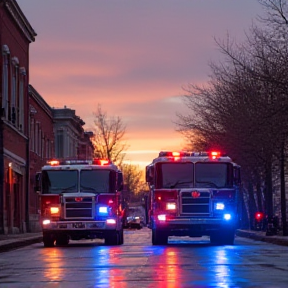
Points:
(121, 237)
(223, 237)
(112, 238)
(48, 240)
(62, 240)
(159, 237)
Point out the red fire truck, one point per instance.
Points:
(80, 200)
(193, 194)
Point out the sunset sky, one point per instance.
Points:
(131, 56)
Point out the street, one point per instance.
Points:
(184, 262)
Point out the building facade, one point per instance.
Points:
(41, 149)
(71, 141)
(15, 36)
(31, 132)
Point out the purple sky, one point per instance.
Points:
(132, 57)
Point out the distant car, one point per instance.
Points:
(134, 222)
(134, 218)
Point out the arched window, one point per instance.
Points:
(21, 98)
(5, 81)
(14, 90)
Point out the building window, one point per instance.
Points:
(5, 82)
(14, 90)
(60, 144)
(21, 98)
(32, 135)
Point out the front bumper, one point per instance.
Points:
(78, 225)
(201, 225)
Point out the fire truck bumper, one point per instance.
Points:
(193, 224)
(196, 221)
(78, 225)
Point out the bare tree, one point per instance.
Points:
(133, 179)
(109, 135)
(243, 108)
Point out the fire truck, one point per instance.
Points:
(80, 200)
(193, 194)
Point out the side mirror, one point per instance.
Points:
(150, 174)
(237, 176)
(120, 181)
(37, 187)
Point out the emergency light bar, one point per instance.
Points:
(101, 162)
(95, 161)
(173, 154)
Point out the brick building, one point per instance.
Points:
(71, 141)
(41, 148)
(15, 36)
(31, 132)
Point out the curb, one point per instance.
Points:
(278, 240)
(17, 243)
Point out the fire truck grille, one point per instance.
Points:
(196, 204)
(78, 208)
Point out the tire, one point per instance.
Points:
(223, 237)
(48, 240)
(121, 237)
(62, 240)
(159, 237)
(112, 238)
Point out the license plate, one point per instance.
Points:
(78, 225)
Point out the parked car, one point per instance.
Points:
(134, 218)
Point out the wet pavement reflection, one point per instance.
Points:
(184, 262)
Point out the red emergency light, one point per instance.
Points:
(259, 216)
(53, 162)
(173, 154)
(215, 154)
(101, 162)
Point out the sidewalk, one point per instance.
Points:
(261, 236)
(13, 241)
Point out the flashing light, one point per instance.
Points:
(259, 216)
(159, 198)
(171, 206)
(219, 206)
(162, 217)
(54, 210)
(215, 154)
(103, 210)
(53, 162)
(227, 217)
(111, 221)
(46, 222)
(110, 201)
(176, 154)
(101, 161)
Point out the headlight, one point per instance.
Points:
(162, 217)
(46, 222)
(227, 216)
(111, 221)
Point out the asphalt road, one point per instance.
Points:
(184, 262)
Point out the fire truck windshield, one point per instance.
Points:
(59, 181)
(176, 175)
(95, 181)
(212, 175)
(66, 181)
